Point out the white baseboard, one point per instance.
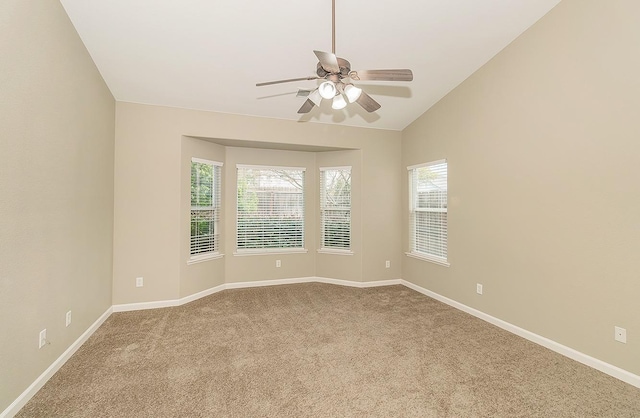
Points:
(312, 279)
(275, 282)
(585, 359)
(24, 397)
(139, 306)
(360, 285)
(242, 285)
(202, 294)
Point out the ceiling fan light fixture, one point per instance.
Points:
(339, 102)
(327, 89)
(352, 92)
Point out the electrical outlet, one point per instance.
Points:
(67, 319)
(620, 334)
(43, 338)
(139, 281)
(479, 288)
(278, 263)
(387, 264)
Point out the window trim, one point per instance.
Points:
(268, 251)
(272, 251)
(268, 167)
(335, 250)
(200, 258)
(215, 254)
(426, 257)
(417, 254)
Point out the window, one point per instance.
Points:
(428, 211)
(270, 209)
(205, 208)
(335, 208)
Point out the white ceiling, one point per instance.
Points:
(209, 54)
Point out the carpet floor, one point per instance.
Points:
(321, 350)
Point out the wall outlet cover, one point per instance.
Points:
(42, 340)
(620, 334)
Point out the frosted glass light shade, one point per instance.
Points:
(352, 93)
(327, 90)
(338, 102)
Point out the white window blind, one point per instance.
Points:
(270, 208)
(428, 210)
(335, 207)
(205, 207)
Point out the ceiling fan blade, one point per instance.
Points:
(367, 102)
(312, 94)
(382, 75)
(268, 83)
(306, 107)
(328, 61)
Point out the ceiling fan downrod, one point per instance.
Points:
(333, 27)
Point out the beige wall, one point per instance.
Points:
(151, 204)
(381, 212)
(543, 146)
(56, 190)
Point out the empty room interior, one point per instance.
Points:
(184, 231)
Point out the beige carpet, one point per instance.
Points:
(319, 350)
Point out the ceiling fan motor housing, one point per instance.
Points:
(345, 68)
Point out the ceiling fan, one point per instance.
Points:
(338, 75)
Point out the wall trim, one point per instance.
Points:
(360, 285)
(202, 294)
(262, 283)
(127, 307)
(312, 279)
(569, 352)
(25, 396)
(139, 306)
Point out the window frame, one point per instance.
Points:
(216, 199)
(323, 210)
(413, 209)
(271, 250)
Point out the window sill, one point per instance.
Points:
(270, 251)
(204, 257)
(431, 259)
(334, 251)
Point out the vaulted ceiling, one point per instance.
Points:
(209, 54)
